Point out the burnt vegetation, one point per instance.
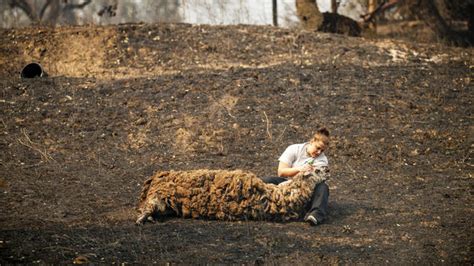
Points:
(123, 102)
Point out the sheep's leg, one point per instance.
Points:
(142, 218)
(154, 206)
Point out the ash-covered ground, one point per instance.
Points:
(122, 102)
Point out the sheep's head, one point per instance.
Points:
(319, 174)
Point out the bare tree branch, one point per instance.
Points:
(386, 4)
(25, 7)
(43, 9)
(77, 6)
(54, 7)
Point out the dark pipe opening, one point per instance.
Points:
(32, 70)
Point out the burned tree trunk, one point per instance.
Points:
(336, 23)
(309, 14)
(334, 6)
(435, 13)
(428, 12)
(312, 19)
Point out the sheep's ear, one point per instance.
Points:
(324, 169)
(305, 175)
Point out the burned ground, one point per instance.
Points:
(122, 102)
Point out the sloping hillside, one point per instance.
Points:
(122, 102)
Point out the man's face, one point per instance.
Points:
(315, 148)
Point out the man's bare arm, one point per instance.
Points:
(285, 170)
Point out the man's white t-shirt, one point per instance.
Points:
(295, 155)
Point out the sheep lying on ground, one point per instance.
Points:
(226, 195)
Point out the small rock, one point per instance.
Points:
(80, 260)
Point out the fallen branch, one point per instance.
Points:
(281, 135)
(269, 124)
(30, 144)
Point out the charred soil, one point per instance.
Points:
(122, 102)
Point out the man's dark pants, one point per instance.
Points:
(318, 206)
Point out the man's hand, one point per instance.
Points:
(305, 168)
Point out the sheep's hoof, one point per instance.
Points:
(142, 219)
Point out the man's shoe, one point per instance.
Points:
(311, 220)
